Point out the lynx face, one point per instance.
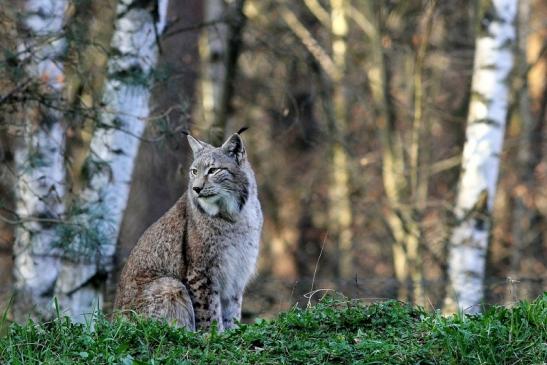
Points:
(218, 182)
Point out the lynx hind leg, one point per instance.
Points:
(167, 299)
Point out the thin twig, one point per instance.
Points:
(196, 26)
(19, 87)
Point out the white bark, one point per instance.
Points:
(481, 154)
(39, 162)
(114, 146)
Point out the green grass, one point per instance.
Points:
(333, 331)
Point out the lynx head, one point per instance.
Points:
(219, 184)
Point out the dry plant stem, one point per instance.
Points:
(317, 262)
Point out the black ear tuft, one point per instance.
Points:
(234, 147)
(185, 133)
(242, 129)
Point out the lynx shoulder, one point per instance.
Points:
(192, 265)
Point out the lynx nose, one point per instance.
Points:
(197, 189)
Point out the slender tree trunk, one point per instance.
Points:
(406, 187)
(340, 214)
(220, 47)
(522, 213)
(113, 149)
(526, 230)
(212, 49)
(480, 164)
(236, 24)
(393, 166)
(419, 170)
(39, 162)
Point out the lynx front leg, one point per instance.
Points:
(231, 309)
(206, 301)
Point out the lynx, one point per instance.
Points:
(192, 265)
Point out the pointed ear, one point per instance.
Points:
(196, 145)
(235, 148)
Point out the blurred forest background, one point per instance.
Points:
(357, 112)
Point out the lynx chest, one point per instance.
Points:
(238, 250)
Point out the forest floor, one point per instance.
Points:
(332, 331)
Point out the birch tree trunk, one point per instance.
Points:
(481, 153)
(39, 161)
(113, 149)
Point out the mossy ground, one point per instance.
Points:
(333, 331)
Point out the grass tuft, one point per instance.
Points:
(333, 331)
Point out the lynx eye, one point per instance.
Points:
(213, 170)
(193, 172)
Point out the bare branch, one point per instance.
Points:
(317, 10)
(310, 43)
